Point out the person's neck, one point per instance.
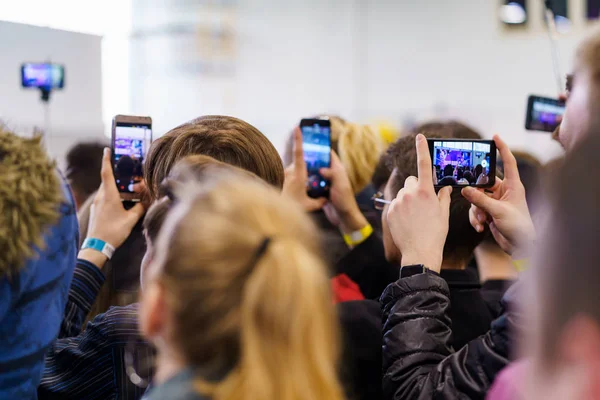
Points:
(494, 264)
(168, 364)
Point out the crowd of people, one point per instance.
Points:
(227, 281)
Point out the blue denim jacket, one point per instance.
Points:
(32, 304)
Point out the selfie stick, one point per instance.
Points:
(552, 34)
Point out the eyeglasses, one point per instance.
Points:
(379, 202)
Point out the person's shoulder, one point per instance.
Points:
(119, 323)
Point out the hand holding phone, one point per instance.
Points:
(316, 142)
(505, 211)
(131, 139)
(296, 176)
(418, 218)
(109, 221)
(460, 163)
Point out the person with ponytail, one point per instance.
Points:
(236, 299)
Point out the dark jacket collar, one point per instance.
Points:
(461, 278)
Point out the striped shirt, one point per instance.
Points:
(90, 364)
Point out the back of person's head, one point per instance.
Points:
(447, 129)
(246, 294)
(190, 168)
(226, 139)
(30, 196)
(83, 162)
(565, 339)
(122, 271)
(448, 170)
(468, 175)
(462, 238)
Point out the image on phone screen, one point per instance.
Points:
(463, 163)
(131, 143)
(543, 113)
(42, 75)
(317, 154)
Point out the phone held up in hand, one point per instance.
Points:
(543, 113)
(463, 162)
(131, 139)
(316, 142)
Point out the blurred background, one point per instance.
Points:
(388, 62)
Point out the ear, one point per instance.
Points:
(579, 346)
(153, 311)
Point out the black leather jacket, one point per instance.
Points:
(419, 362)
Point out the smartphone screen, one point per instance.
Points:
(131, 141)
(463, 162)
(543, 113)
(43, 75)
(316, 138)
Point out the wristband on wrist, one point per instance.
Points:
(99, 245)
(357, 237)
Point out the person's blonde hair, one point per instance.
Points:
(359, 147)
(264, 317)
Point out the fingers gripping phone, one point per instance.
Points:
(131, 139)
(316, 142)
(460, 163)
(544, 113)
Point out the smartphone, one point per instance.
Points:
(544, 113)
(463, 162)
(131, 139)
(316, 142)
(42, 75)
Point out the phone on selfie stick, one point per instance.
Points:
(463, 162)
(131, 139)
(316, 142)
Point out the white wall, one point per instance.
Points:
(75, 113)
(402, 60)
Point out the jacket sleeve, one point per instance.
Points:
(85, 286)
(418, 361)
(366, 265)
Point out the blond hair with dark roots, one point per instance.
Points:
(30, 196)
(265, 318)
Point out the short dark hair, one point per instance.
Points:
(226, 139)
(462, 238)
(447, 129)
(431, 129)
(83, 163)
